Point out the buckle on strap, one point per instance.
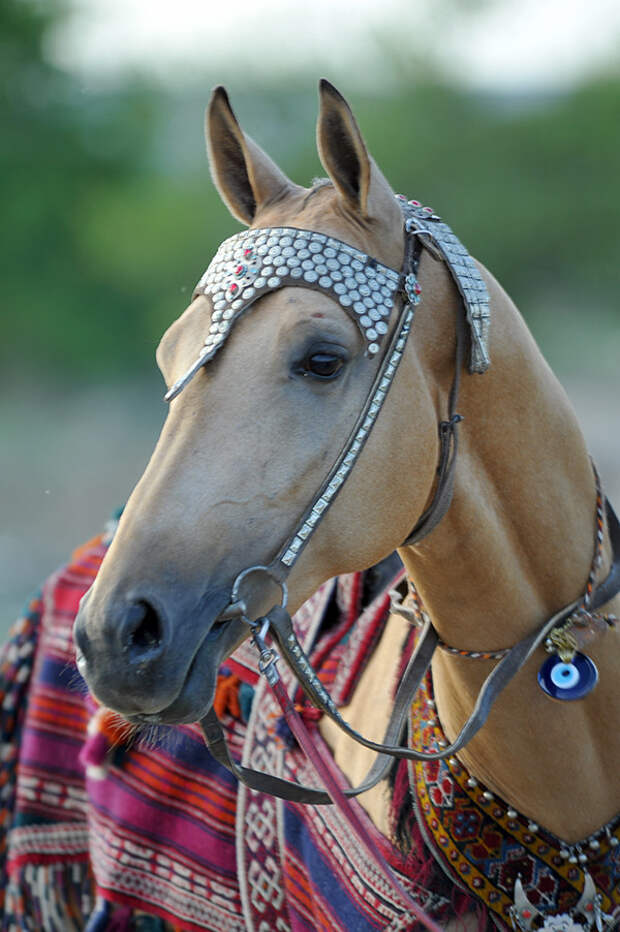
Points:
(446, 427)
(268, 657)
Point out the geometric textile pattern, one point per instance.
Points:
(485, 845)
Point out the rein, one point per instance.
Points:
(278, 621)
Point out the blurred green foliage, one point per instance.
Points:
(110, 216)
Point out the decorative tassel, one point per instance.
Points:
(233, 697)
(226, 701)
(246, 698)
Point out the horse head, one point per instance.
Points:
(258, 426)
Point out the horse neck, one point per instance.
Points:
(516, 546)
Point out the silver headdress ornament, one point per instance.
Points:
(423, 221)
(525, 917)
(254, 263)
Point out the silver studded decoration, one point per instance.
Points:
(464, 271)
(256, 262)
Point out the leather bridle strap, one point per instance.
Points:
(610, 586)
(294, 545)
(501, 675)
(334, 791)
(448, 448)
(280, 622)
(288, 790)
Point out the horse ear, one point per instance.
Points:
(344, 156)
(245, 176)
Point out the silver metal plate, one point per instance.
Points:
(467, 278)
(255, 262)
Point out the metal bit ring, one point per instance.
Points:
(234, 595)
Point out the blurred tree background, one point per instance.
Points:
(110, 218)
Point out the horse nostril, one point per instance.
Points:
(142, 629)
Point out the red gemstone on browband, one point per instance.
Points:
(247, 253)
(415, 203)
(240, 270)
(234, 287)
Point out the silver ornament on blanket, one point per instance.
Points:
(525, 917)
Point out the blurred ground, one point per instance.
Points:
(68, 461)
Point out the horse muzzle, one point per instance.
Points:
(150, 662)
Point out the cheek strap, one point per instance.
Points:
(448, 449)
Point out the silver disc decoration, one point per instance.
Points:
(256, 262)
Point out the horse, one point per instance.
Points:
(515, 536)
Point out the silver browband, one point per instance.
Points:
(256, 262)
(464, 271)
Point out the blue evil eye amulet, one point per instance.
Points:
(568, 680)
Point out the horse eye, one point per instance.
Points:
(322, 365)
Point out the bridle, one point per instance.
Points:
(234, 281)
(255, 263)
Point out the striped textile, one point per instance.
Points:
(105, 836)
(158, 832)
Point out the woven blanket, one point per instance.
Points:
(105, 833)
(158, 829)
